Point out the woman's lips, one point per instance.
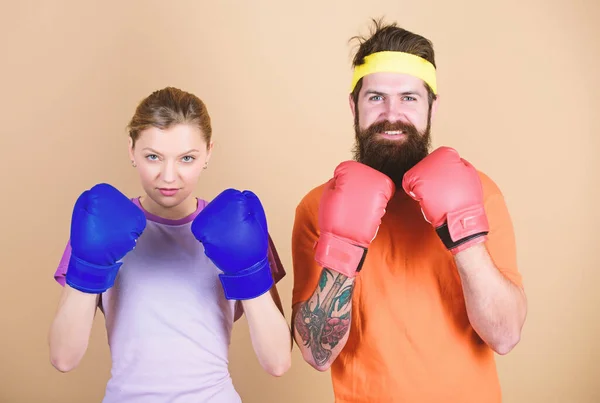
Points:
(168, 191)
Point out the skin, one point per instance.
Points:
(170, 159)
(496, 307)
(173, 158)
(393, 97)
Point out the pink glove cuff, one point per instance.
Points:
(464, 228)
(339, 254)
(469, 221)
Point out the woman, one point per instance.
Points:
(170, 272)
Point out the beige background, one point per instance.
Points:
(519, 84)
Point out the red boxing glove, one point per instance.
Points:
(451, 197)
(350, 213)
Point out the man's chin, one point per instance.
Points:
(394, 166)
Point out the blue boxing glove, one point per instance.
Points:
(104, 228)
(233, 231)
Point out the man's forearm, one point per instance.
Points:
(322, 323)
(496, 307)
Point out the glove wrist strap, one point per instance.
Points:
(90, 278)
(464, 228)
(247, 284)
(339, 254)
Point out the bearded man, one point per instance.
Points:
(406, 282)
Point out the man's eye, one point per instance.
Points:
(376, 98)
(409, 98)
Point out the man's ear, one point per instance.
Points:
(352, 105)
(434, 106)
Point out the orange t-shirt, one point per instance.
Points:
(410, 338)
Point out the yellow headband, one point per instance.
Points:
(396, 62)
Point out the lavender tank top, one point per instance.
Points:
(168, 322)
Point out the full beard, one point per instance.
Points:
(391, 157)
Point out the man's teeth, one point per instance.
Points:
(393, 132)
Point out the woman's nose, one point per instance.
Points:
(169, 172)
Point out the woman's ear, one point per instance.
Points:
(209, 149)
(130, 147)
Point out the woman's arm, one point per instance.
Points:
(70, 330)
(269, 332)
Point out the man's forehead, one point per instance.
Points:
(392, 83)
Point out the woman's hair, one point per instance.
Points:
(168, 107)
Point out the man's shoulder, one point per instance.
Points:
(312, 198)
(489, 186)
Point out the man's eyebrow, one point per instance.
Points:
(380, 93)
(373, 92)
(410, 93)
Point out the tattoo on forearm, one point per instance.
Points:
(322, 327)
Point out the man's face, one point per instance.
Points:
(393, 123)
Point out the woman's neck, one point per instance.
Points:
(178, 212)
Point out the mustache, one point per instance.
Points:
(384, 126)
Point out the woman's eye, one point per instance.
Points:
(152, 157)
(188, 158)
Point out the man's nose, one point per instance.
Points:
(393, 110)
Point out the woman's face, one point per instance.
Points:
(170, 163)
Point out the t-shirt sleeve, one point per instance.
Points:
(501, 243)
(61, 270)
(277, 268)
(304, 236)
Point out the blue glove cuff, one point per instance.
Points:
(90, 278)
(247, 284)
